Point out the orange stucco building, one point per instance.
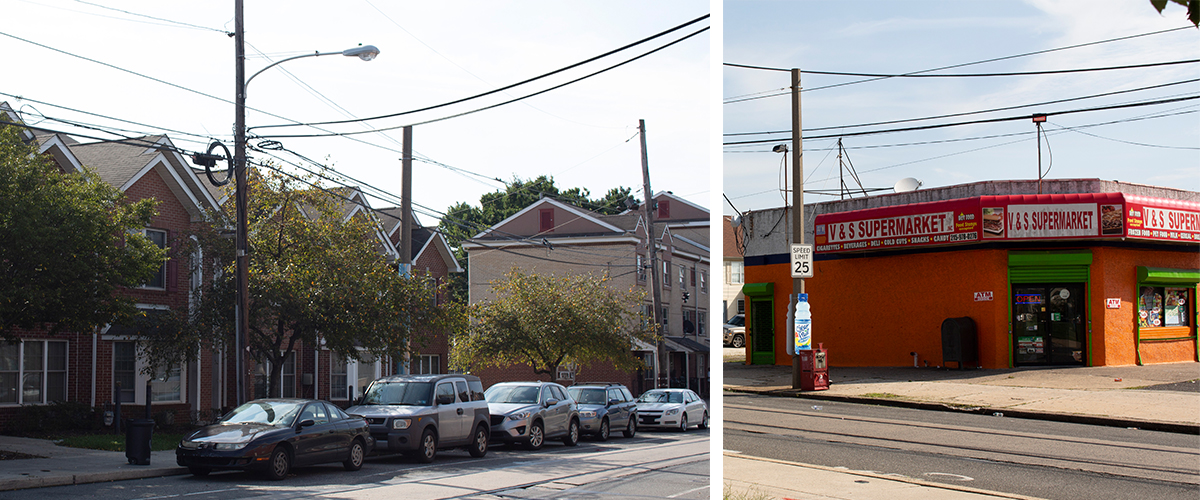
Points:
(1093, 273)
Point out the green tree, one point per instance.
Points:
(546, 321)
(313, 274)
(1193, 8)
(462, 221)
(68, 244)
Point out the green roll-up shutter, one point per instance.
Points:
(1049, 267)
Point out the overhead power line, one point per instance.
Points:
(510, 101)
(748, 98)
(502, 89)
(974, 122)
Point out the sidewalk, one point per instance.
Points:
(767, 478)
(1104, 395)
(63, 465)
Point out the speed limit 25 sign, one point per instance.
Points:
(802, 261)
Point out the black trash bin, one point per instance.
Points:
(137, 441)
(960, 343)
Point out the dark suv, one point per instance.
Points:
(424, 413)
(603, 406)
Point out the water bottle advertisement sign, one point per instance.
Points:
(803, 324)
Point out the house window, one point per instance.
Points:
(546, 218)
(736, 271)
(166, 386)
(666, 313)
(700, 325)
(338, 377)
(159, 279)
(664, 209)
(125, 370)
(287, 378)
(741, 306)
(693, 276)
(703, 281)
(641, 268)
(368, 371)
(682, 276)
(33, 372)
(429, 364)
(666, 274)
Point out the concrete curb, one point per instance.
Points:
(89, 477)
(1174, 427)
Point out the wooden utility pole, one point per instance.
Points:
(660, 372)
(241, 243)
(406, 219)
(798, 206)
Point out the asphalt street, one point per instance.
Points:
(1042, 459)
(654, 464)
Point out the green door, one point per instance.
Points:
(762, 331)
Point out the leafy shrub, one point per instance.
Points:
(39, 420)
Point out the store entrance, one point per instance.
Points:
(762, 332)
(1048, 324)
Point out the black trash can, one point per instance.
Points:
(137, 441)
(960, 342)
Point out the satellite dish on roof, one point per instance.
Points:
(906, 184)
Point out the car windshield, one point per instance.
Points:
(398, 393)
(661, 397)
(265, 412)
(587, 396)
(738, 320)
(512, 394)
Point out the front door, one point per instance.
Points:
(1048, 325)
(762, 332)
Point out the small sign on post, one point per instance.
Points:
(802, 261)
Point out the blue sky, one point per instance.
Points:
(432, 52)
(892, 37)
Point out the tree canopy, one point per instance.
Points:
(314, 273)
(68, 244)
(1193, 8)
(545, 321)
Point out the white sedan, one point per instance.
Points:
(672, 408)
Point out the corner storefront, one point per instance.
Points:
(1087, 278)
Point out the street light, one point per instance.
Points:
(366, 53)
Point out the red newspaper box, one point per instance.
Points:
(814, 369)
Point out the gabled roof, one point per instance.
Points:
(583, 222)
(424, 239)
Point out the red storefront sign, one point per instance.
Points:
(1014, 218)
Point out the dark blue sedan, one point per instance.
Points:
(272, 435)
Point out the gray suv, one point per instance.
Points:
(529, 413)
(604, 406)
(423, 413)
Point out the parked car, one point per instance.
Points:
(275, 434)
(677, 408)
(420, 414)
(529, 413)
(735, 332)
(603, 406)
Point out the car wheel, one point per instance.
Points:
(631, 427)
(199, 471)
(602, 435)
(357, 453)
(703, 422)
(279, 464)
(537, 436)
(428, 450)
(683, 424)
(739, 341)
(572, 437)
(479, 445)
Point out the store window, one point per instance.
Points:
(1163, 306)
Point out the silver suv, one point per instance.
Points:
(529, 413)
(424, 413)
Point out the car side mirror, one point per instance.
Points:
(551, 402)
(613, 402)
(445, 399)
(308, 422)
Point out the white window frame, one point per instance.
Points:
(284, 376)
(354, 370)
(44, 372)
(139, 385)
(737, 272)
(165, 275)
(428, 364)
